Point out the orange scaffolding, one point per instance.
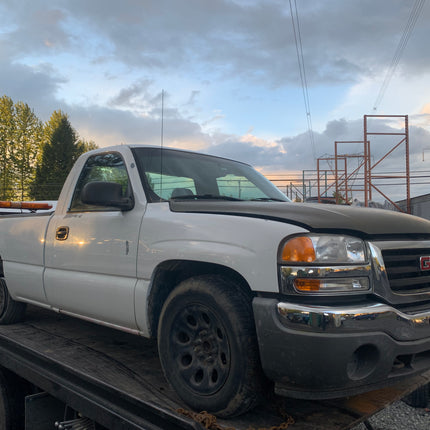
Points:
(341, 176)
(368, 168)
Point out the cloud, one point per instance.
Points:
(193, 96)
(236, 41)
(293, 152)
(426, 109)
(35, 86)
(128, 96)
(110, 126)
(263, 157)
(35, 27)
(232, 38)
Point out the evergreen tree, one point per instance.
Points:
(7, 126)
(53, 123)
(27, 138)
(84, 146)
(50, 126)
(35, 159)
(58, 157)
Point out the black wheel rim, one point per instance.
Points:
(201, 349)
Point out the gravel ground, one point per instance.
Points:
(399, 416)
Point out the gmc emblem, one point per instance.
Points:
(425, 263)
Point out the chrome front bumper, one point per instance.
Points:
(356, 319)
(325, 352)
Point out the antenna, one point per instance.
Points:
(161, 143)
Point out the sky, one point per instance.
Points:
(229, 74)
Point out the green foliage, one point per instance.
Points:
(58, 156)
(7, 126)
(53, 123)
(27, 142)
(83, 146)
(35, 158)
(20, 140)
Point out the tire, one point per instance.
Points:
(208, 347)
(418, 398)
(10, 310)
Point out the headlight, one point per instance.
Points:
(324, 249)
(321, 264)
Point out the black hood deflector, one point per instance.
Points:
(320, 218)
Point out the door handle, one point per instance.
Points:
(62, 233)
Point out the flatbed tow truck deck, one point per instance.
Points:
(115, 379)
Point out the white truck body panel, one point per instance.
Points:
(247, 245)
(24, 238)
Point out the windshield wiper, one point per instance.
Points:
(204, 197)
(268, 199)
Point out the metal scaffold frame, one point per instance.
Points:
(340, 175)
(336, 179)
(343, 181)
(332, 175)
(369, 176)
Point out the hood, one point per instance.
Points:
(319, 218)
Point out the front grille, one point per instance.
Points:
(404, 271)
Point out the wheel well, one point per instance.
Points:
(1, 268)
(171, 273)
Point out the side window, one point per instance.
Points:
(108, 167)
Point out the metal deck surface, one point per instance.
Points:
(116, 378)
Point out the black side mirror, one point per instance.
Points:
(108, 194)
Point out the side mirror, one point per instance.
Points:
(108, 194)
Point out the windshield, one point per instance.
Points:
(186, 175)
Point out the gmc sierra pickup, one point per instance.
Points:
(241, 287)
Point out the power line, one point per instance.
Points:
(413, 17)
(302, 70)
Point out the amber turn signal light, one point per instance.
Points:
(299, 250)
(307, 284)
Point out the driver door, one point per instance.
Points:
(91, 251)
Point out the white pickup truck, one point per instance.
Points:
(242, 288)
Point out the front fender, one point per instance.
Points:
(246, 245)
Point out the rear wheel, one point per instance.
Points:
(11, 311)
(208, 347)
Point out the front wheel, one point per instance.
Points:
(208, 347)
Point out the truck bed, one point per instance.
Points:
(115, 378)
